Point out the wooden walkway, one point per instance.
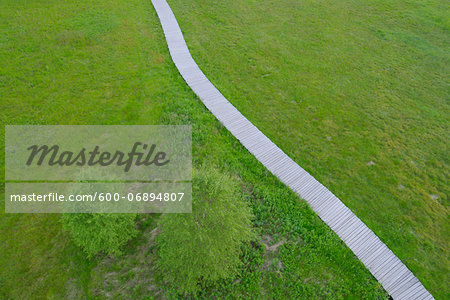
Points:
(385, 266)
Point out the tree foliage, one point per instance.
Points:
(204, 246)
(100, 233)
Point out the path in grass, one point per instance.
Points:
(395, 277)
(355, 92)
(106, 62)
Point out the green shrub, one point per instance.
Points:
(202, 247)
(97, 232)
(100, 233)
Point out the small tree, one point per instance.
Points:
(105, 233)
(97, 232)
(204, 246)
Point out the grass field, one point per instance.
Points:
(357, 93)
(334, 95)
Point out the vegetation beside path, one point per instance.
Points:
(357, 93)
(106, 62)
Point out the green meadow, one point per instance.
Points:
(356, 92)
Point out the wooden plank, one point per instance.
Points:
(393, 275)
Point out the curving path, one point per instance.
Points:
(387, 268)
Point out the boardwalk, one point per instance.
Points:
(385, 266)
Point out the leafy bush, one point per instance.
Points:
(97, 232)
(202, 247)
(100, 233)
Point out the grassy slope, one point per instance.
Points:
(78, 62)
(69, 63)
(338, 84)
